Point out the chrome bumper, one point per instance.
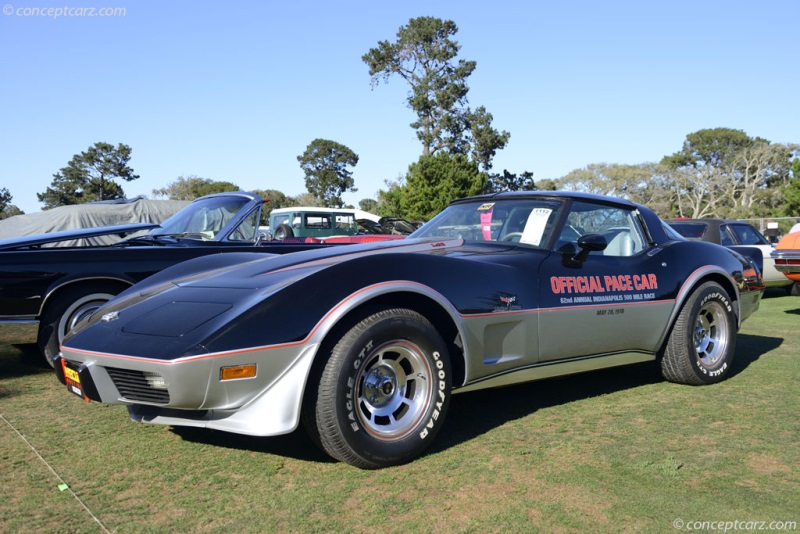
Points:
(18, 331)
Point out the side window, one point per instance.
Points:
(619, 226)
(726, 236)
(246, 231)
(318, 222)
(748, 235)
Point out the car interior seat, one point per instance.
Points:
(620, 245)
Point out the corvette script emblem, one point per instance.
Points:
(110, 316)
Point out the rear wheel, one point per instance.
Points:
(702, 342)
(384, 392)
(67, 309)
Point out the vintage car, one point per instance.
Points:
(44, 291)
(316, 222)
(387, 225)
(739, 235)
(330, 225)
(365, 344)
(787, 259)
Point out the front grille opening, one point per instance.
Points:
(139, 385)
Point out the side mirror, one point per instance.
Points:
(587, 243)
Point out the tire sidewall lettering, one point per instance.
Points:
(439, 396)
(716, 295)
(719, 369)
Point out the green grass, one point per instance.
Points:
(617, 450)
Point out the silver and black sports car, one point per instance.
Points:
(365, 344)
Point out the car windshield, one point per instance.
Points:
(528, 222)
(202, 219)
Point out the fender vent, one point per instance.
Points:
(137, 386)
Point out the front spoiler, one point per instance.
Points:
(276, 411)
(272, 411)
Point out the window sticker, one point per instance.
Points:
(486, 225)
(486, 207)
(534, 227)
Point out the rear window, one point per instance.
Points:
(748, 235)
(690, 230)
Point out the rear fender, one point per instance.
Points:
(700, 275)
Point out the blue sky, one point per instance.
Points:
(236, 90)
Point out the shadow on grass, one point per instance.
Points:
(750, 348)
(296, 445)
(476, 413)
(16, 363)
(22, 360)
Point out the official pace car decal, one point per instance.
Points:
(603, 289)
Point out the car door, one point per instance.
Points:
(613, 301)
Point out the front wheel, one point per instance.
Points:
(66, 310)
(384, 392)
(702, 342)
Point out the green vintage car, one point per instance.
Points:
(312, 222)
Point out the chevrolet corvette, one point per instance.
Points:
(364, 345)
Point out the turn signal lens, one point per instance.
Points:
(238, 371)
(155, 380)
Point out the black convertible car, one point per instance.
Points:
(365, 344)
(45, 290)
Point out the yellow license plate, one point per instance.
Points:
(72, 378)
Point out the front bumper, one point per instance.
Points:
(18, 331)
(191, 393)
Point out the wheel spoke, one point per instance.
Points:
(394, 389)
(710, 334)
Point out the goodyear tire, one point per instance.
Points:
(702, 342)
(384, 392)
(67, 309)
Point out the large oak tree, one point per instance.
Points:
(325, 164)
(90, 176)
(425, 56)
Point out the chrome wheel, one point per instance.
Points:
(382, 395)
(711, 333)
(394, 390)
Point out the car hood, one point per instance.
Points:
(244, 295)
(265, 272)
